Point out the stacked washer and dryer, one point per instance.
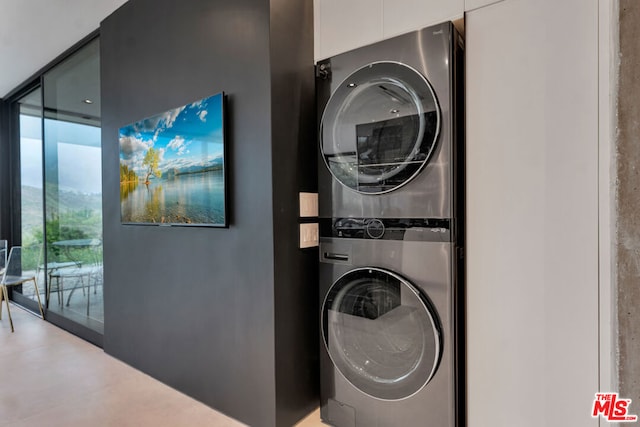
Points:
(391, 207)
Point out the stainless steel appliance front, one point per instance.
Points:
(391, 196)
(386, 128)
(388, 332)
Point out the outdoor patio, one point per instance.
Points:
(80, 298)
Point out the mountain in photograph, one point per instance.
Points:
(183, 140)
(172, 170)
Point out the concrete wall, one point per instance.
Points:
(627, 179)
(217, 313)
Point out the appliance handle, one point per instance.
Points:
(336, 256)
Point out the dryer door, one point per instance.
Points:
(381, 333)
(380, 127)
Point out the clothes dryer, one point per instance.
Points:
(388, 126)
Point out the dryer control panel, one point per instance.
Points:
(407, 229)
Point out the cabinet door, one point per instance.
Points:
(342, 25)
(401, 16)
(475, 4)
(532, 212)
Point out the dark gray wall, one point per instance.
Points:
(293, 136)
(9, 173)
(202, 309)
(4, 171)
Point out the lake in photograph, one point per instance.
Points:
(196, 198)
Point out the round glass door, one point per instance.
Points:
(381, 333)
(380, 127)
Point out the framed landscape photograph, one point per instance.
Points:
(172, 167)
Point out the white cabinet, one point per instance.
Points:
(475, 4)
(402, 16)
(532, 213)
(342, 25)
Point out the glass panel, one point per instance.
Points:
(31, 196)
(380, 127)
(73, 188)
(381, 333)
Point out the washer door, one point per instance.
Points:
(381, 333)
(380, 127)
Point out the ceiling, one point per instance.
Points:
(35, 32)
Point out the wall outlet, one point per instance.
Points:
(309, 235)
(308, 205)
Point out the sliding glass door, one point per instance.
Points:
(31, 188)
(61, 192)
(73, 187)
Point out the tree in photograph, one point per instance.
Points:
(152, 161)
(126, 174)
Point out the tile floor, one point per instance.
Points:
(51, 378)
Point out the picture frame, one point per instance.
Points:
(173, 168)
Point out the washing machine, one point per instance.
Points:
(391, 208)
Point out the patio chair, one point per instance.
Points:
(14, 275)
(82, 276)
(52, 270)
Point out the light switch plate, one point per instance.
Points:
(308, 205)
(309, 235)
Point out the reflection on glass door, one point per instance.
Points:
(31, 195)
(73, 188)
